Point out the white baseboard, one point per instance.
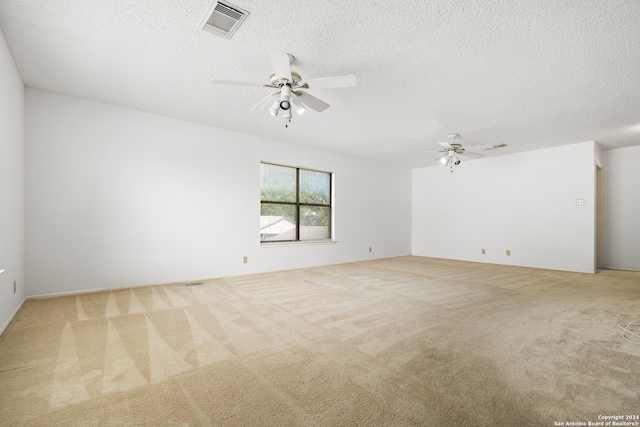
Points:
(67, 293)
(93, 290)
(8, 322)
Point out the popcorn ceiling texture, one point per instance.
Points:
(531, 74)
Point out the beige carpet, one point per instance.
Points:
(394, 342)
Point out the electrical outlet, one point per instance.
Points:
(508, 252)
(14, 286)
(579, 202)
(483, 252)
(244, 259)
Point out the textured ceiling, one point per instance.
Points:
(527, 73)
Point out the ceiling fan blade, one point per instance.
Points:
(478, 147)
(331, 82)
(470, 154)
(235, 83)
(267, 101)
(446, 145)
(281, 64)
(311, 101)
(481, 147)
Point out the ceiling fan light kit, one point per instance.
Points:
(449, 158)
(298, 105)
(291, 88)
(275, 108)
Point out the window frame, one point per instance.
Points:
(298, 205)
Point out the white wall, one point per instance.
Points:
(12, 227)
(523, 202)
(621, 169)
(118, 197)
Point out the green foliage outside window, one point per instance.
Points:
(301, 196)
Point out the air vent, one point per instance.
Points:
(222, 19)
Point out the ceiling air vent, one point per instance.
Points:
(222, 19)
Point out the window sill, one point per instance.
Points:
(302, 243)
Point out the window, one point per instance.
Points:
(295, 204)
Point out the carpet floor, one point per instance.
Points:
(402, 341)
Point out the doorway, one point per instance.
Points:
(599, 223)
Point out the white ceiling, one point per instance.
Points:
(527, 73)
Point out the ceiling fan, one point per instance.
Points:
(454, 149)
(291, 88)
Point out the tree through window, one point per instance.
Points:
(295, 204)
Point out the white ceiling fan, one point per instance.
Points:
(454, 149)
(291, 88)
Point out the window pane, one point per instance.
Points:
(315, 187)
(314, 223)
(277, 222)
(278, 183)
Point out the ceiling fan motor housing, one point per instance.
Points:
(277, 81)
